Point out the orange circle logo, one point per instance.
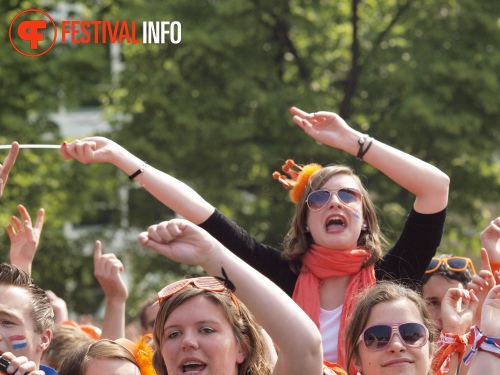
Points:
(30, 32)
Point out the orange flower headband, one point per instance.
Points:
(142, 352)
(299, 177)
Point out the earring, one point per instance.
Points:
(365, 227)
(307, 228)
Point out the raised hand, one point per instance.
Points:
(7, 165)
(107, 271)
(180, 241)
(24, 238)
(90, 150)
(490, 324)
(59, 306)
(326, 127)
(482, 283)
(490, 240)
(458, 309)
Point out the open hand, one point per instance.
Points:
(24, 238)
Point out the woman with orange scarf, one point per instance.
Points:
(334, 246)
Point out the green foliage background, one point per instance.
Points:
(212, 110)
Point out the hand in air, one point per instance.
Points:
(179, 240)
(325, 127)
(90, 150)
(24, 238)
(490, 324)
(458, 309)
(107, 271)
(7, 165)
(490, 240)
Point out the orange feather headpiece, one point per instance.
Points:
(142, 352)
(299, 177)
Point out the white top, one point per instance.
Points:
(329, 327)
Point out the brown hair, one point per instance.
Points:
(77, 361)
(246, 331)
(65, 339)
(464, 277)
(298, 241)
(40, 307)
(385, 291)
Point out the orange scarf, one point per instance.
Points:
(320, 263)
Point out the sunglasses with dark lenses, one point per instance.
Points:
(318, 199)
(377, 337)
(455, 264)
(207, 283)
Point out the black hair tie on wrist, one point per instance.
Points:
(362, 152)
(139, 171)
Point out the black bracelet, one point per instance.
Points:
(362, 152)
(138, 172)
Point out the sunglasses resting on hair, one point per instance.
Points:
(455, 264)
(318, 199)
(210, 284)
(377, 337)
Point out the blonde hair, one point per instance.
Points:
(298, 241)
(65, 339)
(245, 329)
(77, 361)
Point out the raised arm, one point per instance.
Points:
(488, 359)
(171, 192)
(458, 308)
(481, 284)
(184, 242)
(490, 240)
(24, 238)
(107, 270)
(426, 182)
(7, 165)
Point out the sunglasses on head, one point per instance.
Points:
(207, 283)
(318, 199)
(455, 264)
(377, 337)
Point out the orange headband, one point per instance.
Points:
(298, 179)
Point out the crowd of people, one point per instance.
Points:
(337, 299)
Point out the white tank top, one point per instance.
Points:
(329, 327)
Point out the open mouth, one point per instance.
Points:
(193, 367)
(335, 223)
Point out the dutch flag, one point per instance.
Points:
(18, 342)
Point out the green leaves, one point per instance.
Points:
(213, 111)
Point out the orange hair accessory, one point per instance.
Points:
(298, 178)
(91, 330)
(142, 352)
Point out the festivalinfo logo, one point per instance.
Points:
(34, 32)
